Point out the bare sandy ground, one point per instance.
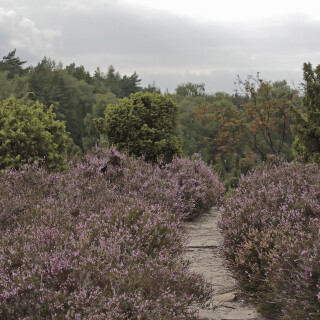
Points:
(205, 253)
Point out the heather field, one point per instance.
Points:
(106, 239)
(103, 240)
(271, 228)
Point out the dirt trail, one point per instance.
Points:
(205, 253)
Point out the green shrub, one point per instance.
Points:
(30, 133)
(244, 165)
(143, 125)
(233, 182)
(218, 168)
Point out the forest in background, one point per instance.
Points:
(232, 132)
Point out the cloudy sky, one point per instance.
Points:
(168, 41)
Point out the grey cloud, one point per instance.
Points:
(20, 32)
(159, 46)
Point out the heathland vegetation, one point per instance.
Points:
(102, 240)
(97, 174)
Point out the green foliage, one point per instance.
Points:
(30, 133)
(224, 116)
(78, 97)
(219, 169)
(217, 125)
(245, 165)
(307, 120)
(73, 98)
(257, 121)
(144, 124)
(266, 116)
(190, 89)
(112, 81)
(13, 65)
(17, 87)
(196, 136)
(79, 73)
(91, 122)
(237, 162)
(152, 88)
(233, 182)
(13, 78)
(223, 120)
(102, 100)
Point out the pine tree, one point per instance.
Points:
(307, 121)
(13, 65)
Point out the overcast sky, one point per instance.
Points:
(168, 41)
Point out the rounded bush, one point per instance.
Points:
(29, 133)
(145, 124)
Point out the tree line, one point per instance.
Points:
(232, 132)
(75, 95)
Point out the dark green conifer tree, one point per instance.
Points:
(307, 121)
(13, 65)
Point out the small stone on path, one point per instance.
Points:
(227, 297)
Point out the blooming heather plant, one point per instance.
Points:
(197, 186)
(186, 186)
(96, 242)
(271, 231)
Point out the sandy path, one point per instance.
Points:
(204, 251)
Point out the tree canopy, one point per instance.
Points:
(258, 120)
(190, 89)
(253, 122)
(266, 115)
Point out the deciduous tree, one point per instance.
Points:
(261, 121)
(266, 115)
